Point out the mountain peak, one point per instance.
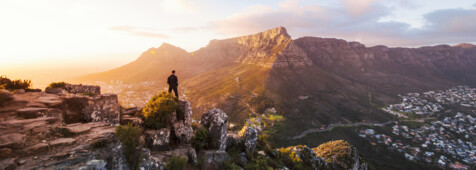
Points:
(274, 32)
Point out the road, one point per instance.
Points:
(337, 125)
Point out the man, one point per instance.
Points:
(173, 83)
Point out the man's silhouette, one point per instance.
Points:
(173, 83)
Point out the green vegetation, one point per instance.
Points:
(176, 163)
(260, 103)
(338, 151)
(258, 163)
(157, 112)
(57, 85)
(200, 139)
(6, 83)
(229, 165)
(129, 136)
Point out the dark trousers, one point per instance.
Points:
(175, 90)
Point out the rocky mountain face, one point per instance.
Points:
(313, 81)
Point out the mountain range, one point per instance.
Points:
(312, 81)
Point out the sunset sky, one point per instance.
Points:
(74, 37)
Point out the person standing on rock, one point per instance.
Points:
(173, 83)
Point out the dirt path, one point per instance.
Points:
(337, 125)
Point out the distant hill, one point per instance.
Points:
(313, 81)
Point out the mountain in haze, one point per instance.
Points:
(312, 81)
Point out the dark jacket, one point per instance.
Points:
(172, 80)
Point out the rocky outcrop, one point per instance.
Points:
(78, 108)
(158, 139)
(307, 156)
(78, 89)
(249, 136)
(340, 154)
(182, 132)
(216, 121)
(212, 159)
(74, 89)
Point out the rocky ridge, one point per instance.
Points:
(38, 132)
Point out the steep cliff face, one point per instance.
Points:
(271, 48)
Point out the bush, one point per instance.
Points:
(158, 110)
(258, 163)
(57, 85)
(229, 165)
(176, 163)
(129, 136)
(200, 139)
(6, 83)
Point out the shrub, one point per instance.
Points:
(158, 110)
(258, 163)
(200, 139)
(176, 163)
(129, 136)
(57, 85)
(6, 83)
(229, 165)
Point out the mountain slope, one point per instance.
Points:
(313, 81)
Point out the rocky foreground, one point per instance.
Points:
(72, 127)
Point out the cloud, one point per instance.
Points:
(140, 32)
(185, 29)
(358, 7)
(178, 6)
(352, 21)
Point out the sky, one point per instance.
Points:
(65, 38)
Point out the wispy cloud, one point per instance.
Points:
(141, 32)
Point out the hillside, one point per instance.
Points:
(312, 81)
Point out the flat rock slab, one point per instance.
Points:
(62, 141)
(31, 112)
(79, 128)
(49, 100)
(12, 140)
(40, 147)
(35, 104)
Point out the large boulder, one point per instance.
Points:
(158, 139)
(102, 108)
(182, 132)
(217, 123)
(307, 156)
(212, 159)
(340, 155)
(5, 96)
(185, 109)
(250, 138)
